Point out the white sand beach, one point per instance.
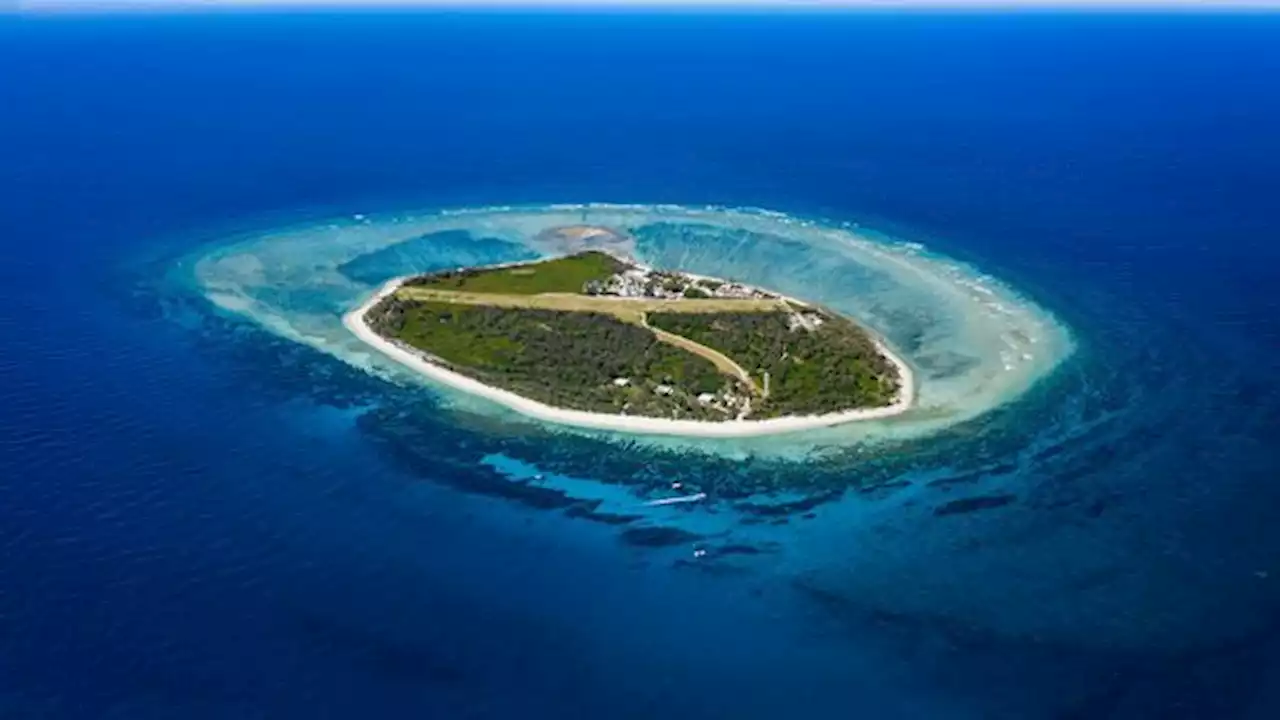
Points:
(354, 321)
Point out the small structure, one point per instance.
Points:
(621, 381)
(706, 398)
(804, 321)
(663, 389)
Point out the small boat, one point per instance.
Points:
(674, 500)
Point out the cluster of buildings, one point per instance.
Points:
(633, 283)
(639, 282)
(644, 283)
(734, 290)
(804, 321)
(726, 401)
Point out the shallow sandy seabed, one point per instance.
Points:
(974, 343)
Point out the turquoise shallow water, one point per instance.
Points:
(975, 344)
(1005, 406)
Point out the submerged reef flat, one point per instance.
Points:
(972, 343)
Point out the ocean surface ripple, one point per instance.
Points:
(1026, 435)
(215, 505)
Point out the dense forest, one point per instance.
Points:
(832, 368)
(566, 359)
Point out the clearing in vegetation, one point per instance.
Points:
(560, 275)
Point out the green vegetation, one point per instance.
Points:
(655, 346)
(831, 368)
(565, 359)
(560, 275)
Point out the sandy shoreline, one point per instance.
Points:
(354, 321)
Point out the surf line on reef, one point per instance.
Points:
(414, 360)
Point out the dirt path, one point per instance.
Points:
(624, 308)
(722, 362)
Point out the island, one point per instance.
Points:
(592, 337)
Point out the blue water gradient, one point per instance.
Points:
(200, 519)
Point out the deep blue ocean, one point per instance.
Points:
(201, 520)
